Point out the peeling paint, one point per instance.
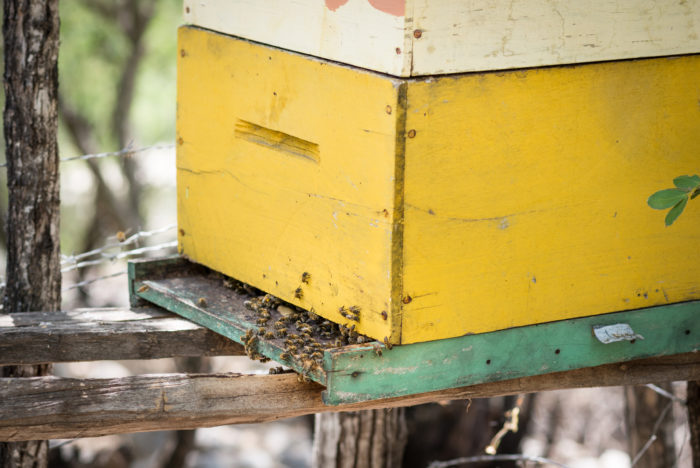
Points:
(393, 7)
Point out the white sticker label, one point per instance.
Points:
(617, 332)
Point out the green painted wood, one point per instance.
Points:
(178, 288)
(359, 374)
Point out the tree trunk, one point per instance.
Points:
(649, 414)
(30, 32)
(693, 399)
(360, 439)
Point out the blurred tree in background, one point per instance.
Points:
(116, 90)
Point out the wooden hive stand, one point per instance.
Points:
(468, 177)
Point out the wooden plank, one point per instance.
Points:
(356, 33)
(526, 191)
(457, 36)
(266, 213)
(52, 407)
(105, 334)
(480, 35)
(371, 371)
(358, 373)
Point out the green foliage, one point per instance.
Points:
(687, 188)
(92, 58)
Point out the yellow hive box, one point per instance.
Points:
(438, 206)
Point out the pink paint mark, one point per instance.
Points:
(335, 4)
(393, 7)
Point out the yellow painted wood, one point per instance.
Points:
(526, 195)
(456, 205)
(285, 165)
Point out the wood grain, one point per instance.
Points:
(525, 195)
(52, 407)
(256, 210)
(97, 334)
(457, 36)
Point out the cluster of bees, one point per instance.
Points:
(303, 334)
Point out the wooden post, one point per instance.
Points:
(30, 32)
(693, 398)
(360, 439)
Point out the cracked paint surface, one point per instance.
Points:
(393, 7)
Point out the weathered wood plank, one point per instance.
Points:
(97, 334)
(51, 407)
(457, 36)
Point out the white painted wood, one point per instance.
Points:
(460, 35)
(355, 33)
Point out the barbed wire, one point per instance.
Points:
(65, 259)
(666, 393)
(93, 280)
(652, 437)
(119, 256)
(122, 152)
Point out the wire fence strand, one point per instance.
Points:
(93, 280)
(128, 151)
(65, 259)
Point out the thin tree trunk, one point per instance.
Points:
(693, 398)
(649, 414)
(360, 439)
(30, 32)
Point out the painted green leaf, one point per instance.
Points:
(666, 198)
(687, 183)
(695, 194)
(676, 211)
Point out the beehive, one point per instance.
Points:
(439, 206)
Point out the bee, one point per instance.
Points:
(361, 339)
(248, 335)
(384, 315)
(269, 335)
(313, 315)
(306, 277)
(338, 343)
(307, 364)
(263, 359)
(298, 293)
(279, 324)
(143, 288)
(317, 355)
(387, 344)
(201, 302)
(281, 332)
(285, 355)
(292, 348)
(292, 336)
(377, 349)
(264, 313)
(303, 378)
(261, 331)
(261, 321)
